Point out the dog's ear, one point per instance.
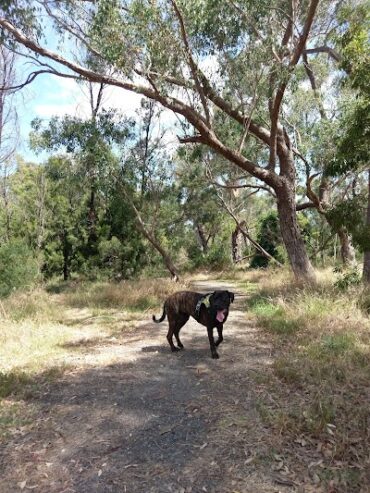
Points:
(231, 296)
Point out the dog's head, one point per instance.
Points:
(219, 303)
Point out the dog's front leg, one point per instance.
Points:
(220, 337)
(212, 343)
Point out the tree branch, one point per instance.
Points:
(324, 49)
(247, 235)
(170, 102)
(275, 112)
(32, 76)
(231, 187)
(193, 66)
(193, 139)
(306, 205)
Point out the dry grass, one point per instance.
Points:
(138, 295)
(42, 332)
(320, 385)
(37, 328)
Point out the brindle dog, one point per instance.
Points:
(210, 310)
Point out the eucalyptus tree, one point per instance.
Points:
(353, 150)
(200, 59)
(147, 183)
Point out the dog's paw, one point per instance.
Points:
(175, 349)
(215, 356)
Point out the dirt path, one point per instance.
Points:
(154, 421)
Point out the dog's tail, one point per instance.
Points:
(163, 316)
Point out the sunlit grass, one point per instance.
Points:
(321, 340)
(139, 295)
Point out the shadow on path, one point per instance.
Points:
(156, 422)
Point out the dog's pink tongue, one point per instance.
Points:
(220, 315)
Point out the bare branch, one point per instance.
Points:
(324, 49)
(32, 76)
(257, 187)
(193, 139)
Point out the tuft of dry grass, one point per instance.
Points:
(138, 295)
(37, 305)
(320, 384)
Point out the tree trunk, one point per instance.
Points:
(142, 227)
(91, 223)
(286, 205)
(366, 270)
(202, 237)
(66, 256)
(166, 257)
(347, 251)
(291, 234)
(237, 238)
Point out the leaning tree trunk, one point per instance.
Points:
(165, 256)
(151, 238)
(292, 237)
(366, 270)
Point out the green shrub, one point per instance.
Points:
(218, 257)
(348, 279)
(269, 237)
(18, 267)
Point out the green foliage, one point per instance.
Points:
(351, 214)
(18, 267)
(355, 45)
(353, 150)
(348, 279)
(269, 238)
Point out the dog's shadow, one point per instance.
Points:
(155, 349)
(190, 354)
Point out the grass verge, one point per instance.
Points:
(317, 401)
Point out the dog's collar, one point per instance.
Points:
(204, 300)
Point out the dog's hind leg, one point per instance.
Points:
(171, 332)
(180, 322)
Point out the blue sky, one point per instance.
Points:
(49, 96)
